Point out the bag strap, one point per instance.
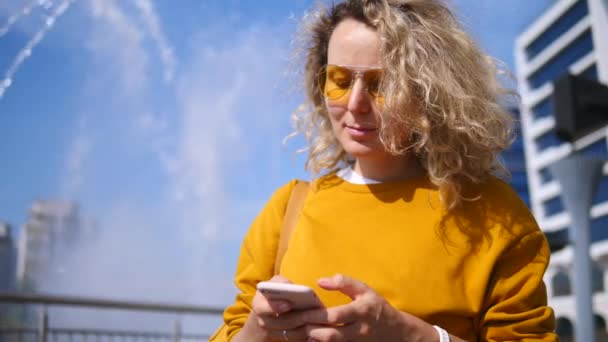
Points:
(294, 207)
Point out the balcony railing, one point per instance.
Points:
(45, 333)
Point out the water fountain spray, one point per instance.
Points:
(26, 51)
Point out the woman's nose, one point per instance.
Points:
(359, 100)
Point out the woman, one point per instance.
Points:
(407, 236)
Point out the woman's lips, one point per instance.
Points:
(360, 131)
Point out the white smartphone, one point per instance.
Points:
(301, 297)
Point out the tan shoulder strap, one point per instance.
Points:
(294, 206)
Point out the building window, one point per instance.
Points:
(600, 328)
(543, 109)
(572, 16)
(553, 206)
(561, 284)
(597, 278)
(597, 149)
(558, 65)
(599, 229)
(558, 239)
(547, 140)
(601, 194)
(519, 179)
(546, 175)
(514, 161)
(564, 329)
(518, 143)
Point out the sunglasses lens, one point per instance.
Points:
(337, 81)
(373, 80)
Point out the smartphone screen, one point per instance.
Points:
(301, 297)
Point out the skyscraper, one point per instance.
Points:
(570, 37)
(8, 259)
(515, 161)
(50, 229)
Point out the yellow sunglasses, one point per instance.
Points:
(335, 81)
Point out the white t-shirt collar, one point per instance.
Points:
(351, 176)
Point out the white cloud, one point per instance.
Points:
(226, 99)
(150, 122)
(125, 66)
(77, 155)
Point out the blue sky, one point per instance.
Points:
(165, 122)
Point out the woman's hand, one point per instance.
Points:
(369, 317)
(272, 320)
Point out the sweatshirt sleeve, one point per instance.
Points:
(257, 257)
(516, 300)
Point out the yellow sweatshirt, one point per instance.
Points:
(476, 272)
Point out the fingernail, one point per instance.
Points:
(283, 307)
(324, 280)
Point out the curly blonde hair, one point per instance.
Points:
(440, 90)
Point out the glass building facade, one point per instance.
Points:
(569, 37)
(515, 161)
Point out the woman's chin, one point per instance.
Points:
(361, 150)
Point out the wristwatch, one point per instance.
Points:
(443, 335)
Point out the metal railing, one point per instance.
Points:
(45, 333)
